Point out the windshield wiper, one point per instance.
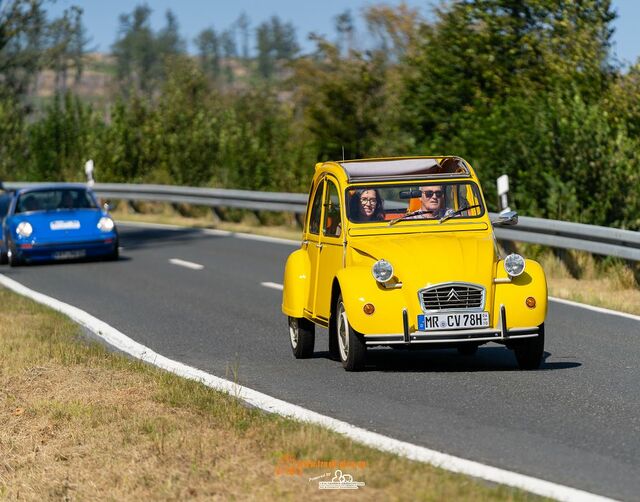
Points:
(450, 213)
(409, 215)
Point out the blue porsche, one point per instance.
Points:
(55, 222)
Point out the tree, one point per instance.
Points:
(209, 52)
(135, 51)
(485, 50)
(168, 40)
(243, 24)
(346, 31)
(276, 41)
(22, 43)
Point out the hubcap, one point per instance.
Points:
(343, 333)
(293, 332)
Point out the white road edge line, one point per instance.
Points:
(272, 285)
(277, 240)
(272, 405)
(186, 264)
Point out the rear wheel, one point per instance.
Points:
(3, 257)
(351, 346)
(302, 337)
(529, 351)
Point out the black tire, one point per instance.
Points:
(3, 257)
(529, 351)
(114, 255)
(351, 347)
(14, 261)
(302, 337)
(334, 349)
(467, 349)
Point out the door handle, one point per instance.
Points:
(319, 246)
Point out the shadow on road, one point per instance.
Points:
(449, 361)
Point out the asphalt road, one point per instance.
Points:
(576, 421)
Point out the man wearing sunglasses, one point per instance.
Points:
(431, 202)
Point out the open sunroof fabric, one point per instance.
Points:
(404, 168)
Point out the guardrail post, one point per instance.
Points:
(216, 215)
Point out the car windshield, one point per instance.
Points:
(55, 200)
(418, 201)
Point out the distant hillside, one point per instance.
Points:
(98, 84)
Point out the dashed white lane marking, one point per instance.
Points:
(272, 405)
(225, 233)
(272, 285)
(186, 264)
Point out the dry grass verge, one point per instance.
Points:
(80, 423)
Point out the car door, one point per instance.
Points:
(311, 242)
(331, 249)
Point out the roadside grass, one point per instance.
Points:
(572, 275)
(80, 422)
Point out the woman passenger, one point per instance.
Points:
(366, 205)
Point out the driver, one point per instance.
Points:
(431, 202)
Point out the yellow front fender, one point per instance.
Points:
(513, 295)
(296, 283)
(358, 288)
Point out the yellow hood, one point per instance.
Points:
(422, 259)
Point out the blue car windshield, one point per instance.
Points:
(55, 200)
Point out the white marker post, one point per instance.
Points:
(503, 190)
(88, 169)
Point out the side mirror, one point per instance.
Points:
(506, 219)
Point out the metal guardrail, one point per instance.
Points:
(559, 234)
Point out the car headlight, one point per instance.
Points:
(382, 271)
(514, 265)
(106, 224)
(24, 229)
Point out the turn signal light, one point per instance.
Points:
(369, 308)
(531, 302)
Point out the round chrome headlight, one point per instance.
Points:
(514, 265)
(106, 224)
(382, 271)
(24, 229)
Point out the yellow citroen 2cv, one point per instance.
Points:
(401, 252)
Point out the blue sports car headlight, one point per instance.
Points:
(106, 224)
(24, 229)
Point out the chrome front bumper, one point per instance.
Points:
(499, 334)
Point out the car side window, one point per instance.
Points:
(332, 226)
(316, 207)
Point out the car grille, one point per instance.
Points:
(452, 296)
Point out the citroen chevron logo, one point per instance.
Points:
(452, 295)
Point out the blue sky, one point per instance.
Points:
(101, 17)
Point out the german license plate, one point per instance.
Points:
(69, 255)
(64, 225)
(453, 320)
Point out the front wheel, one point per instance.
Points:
(13, 260)
(529, 351)
(351, 346)
(302, 337)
